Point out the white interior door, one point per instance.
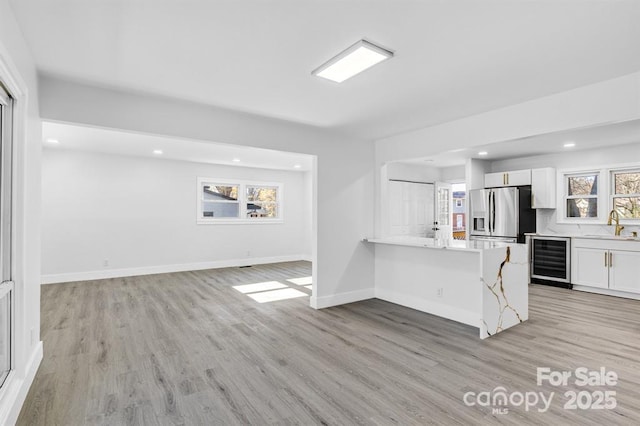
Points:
(443, 209)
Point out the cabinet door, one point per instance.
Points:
(519, 177)
(624, 271)
(495, 180)
(543, 188)
(589, 266)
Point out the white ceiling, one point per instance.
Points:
(627, 132)
(108, 141)
(453, 58)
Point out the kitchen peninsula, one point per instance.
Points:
(478, 283)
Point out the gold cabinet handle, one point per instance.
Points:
(610, 259)
(507, 178)
(605, 259)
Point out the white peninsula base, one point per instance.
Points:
(482, 284)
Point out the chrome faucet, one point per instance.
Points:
(614, 216)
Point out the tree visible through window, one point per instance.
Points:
(582, 195)
(626, 194)
(262, 201)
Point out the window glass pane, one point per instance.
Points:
(218, 209)
(443, 206)
(627, 183)
(582, 207)
(627, 207)
(220, 192)
(262, 210)
(583, 185)
(262, 193)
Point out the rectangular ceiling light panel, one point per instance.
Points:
(352, 61)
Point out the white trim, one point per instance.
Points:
(16, 389)
(341, 298)
(607, 292)
(164, 269)
(439, 309)
(23, 366)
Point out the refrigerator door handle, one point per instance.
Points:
(489, 211)
(493, 212)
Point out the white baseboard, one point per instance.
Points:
(439, 309)
(163, 269)
(341, 298)
(607, 292)
(307, 257)
(17, 389)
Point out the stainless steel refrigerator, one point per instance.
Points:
(502, 214)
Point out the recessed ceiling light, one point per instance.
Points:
(483, 153)
(157, 151)
(236, 160)
(353, 60)
(53, 141)
(297, 166)
(569, 144)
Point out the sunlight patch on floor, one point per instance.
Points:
(274, 295)
(252, 288)
(310, 287)
(301, 281)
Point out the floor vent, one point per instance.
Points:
(248, 266)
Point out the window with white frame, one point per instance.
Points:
(581, 195)
(237, 201)
(625, 193)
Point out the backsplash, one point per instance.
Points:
(546, 224)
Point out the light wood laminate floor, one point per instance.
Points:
(188, 348)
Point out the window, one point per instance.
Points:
(6, 229)
(226, 201)
(625, 193)
(220, 201)
(262, 201)
(581, 195)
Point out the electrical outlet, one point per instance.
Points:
(105, 263)
(440, 291)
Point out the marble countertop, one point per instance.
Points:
(431, 243)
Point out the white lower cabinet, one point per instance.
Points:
(590, 267)
(624, 271)
(613, 265)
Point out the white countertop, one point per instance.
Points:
(588, 236)
(431, 243)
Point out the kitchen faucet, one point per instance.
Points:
(614, 216)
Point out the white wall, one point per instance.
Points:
(453, 174)
(413, 172)
(17, 66)
(610, 101)
(343, 184)
(140, 215)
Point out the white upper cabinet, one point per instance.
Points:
(512, 178)
(543, 188)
